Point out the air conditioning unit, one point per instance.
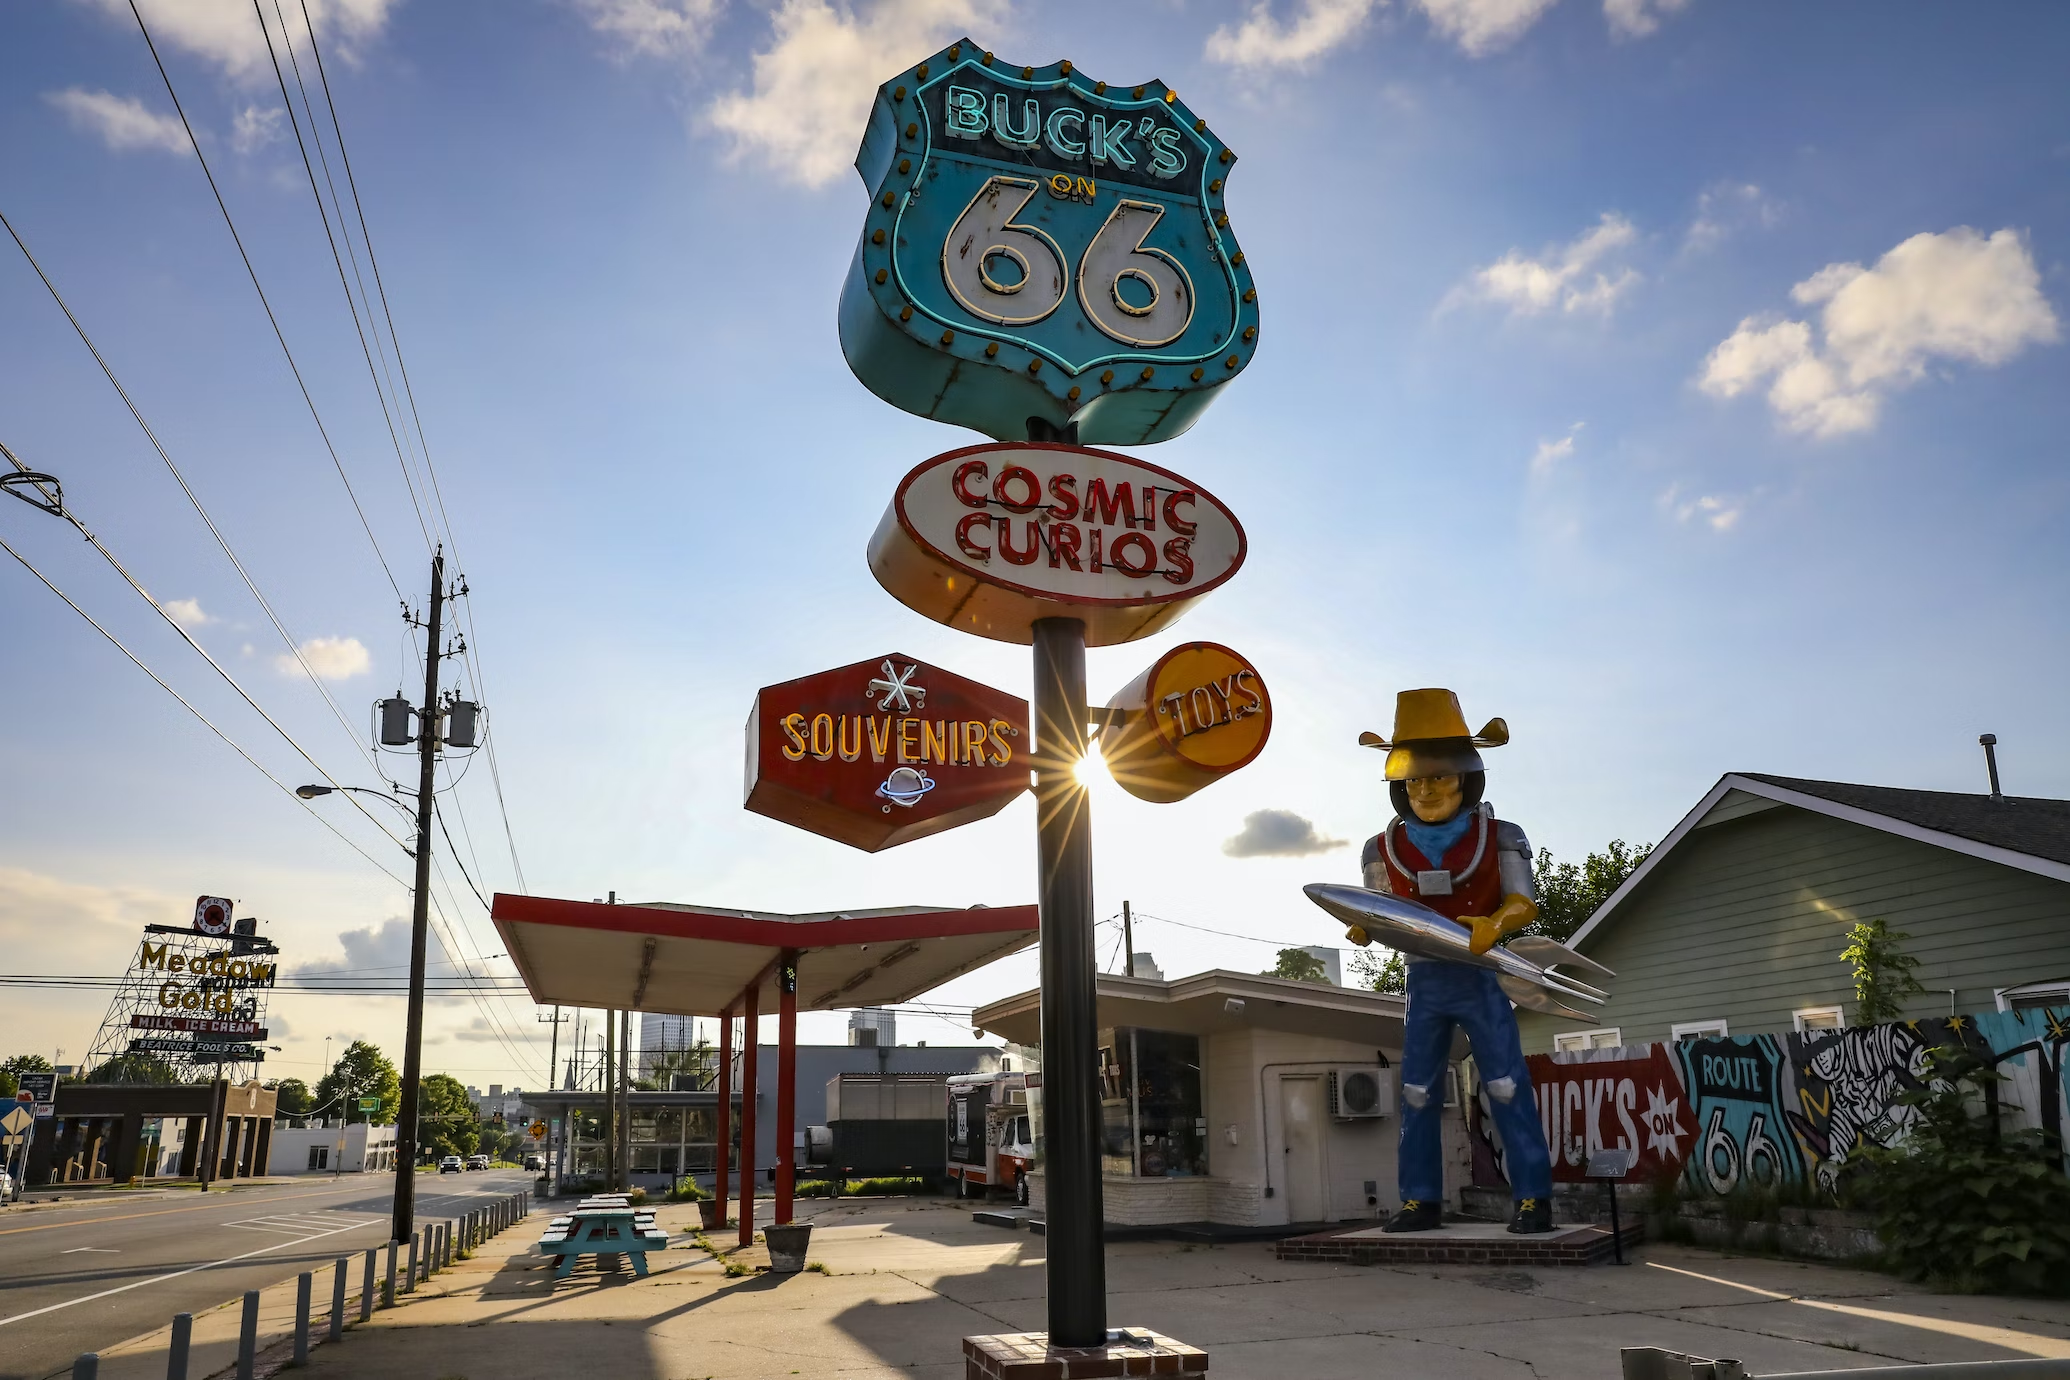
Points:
(1359, 1092)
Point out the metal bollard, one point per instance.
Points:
(248, 1335)
(305, 1284)
(388, 1282)
(87, 1366)
(182, 1340)
(366, 1288)
(338, 1298)
(445, 1245)
(410, 1276)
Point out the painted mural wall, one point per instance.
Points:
(1773, 1111)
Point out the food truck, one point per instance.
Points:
(991, 1132)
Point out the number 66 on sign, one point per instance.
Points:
(1040, 245)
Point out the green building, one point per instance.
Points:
(1735, 923)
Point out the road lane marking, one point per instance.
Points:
(160, 1279)
(93, 1250)
(164, 1212)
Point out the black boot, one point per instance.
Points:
(1534, 1215)
(1417, 1215)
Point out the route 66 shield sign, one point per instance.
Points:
(1044, 248)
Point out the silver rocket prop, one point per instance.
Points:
(1521, 965)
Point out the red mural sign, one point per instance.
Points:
(1632, 1104)
(884, 752)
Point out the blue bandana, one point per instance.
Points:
(1433, 841)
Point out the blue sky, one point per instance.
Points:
(1683, 382)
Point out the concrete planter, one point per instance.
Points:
(1809, 1233)
(787, 1247)
(711, 1213)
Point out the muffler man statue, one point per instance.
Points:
(1446, 849)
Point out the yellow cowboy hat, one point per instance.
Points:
(1431, 737)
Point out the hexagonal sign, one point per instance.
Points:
(884, 752)
(1043, 246)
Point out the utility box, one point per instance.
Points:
(885, 1124)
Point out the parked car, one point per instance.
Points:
(9, 1190)
(477, 1161)
(450, 1165)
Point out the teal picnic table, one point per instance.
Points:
(607, 1227)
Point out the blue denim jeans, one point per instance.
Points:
(1443, 995)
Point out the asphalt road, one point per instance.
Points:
(79, 1278)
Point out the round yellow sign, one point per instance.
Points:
(1200, 712)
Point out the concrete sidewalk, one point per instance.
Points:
(906, 1280)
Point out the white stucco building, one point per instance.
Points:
(354, 1149)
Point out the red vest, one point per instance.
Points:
(1476, 877)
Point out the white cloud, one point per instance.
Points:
(1726, 207)
(1718, 512)
(1480, 27)
(123, 123)
(1566, 276)
(653, 28)
(186, 612)
(226, 32)
(254, 128)
(332, 658)
(1263, 40)
(1954, 297)
(1638, 18)
(1550, 453)
(1277, 834)
(812, 87)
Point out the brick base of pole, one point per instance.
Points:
(1029, 1356)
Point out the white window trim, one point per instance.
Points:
(2056, 986)
(1698, 1030)
(1562, 1045)
(1838, 1013)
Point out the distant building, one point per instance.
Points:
(355, 1149)
(872, 1027)
(508, 1104)
(661, 1036)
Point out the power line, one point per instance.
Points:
(221, 541)
(65, 512)
(473, 657)
(209, 724)
(274, 321)
(324, 216)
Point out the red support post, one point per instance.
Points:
(786, 1080)
(722, 1185)
(751, 1005)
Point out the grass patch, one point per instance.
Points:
(818, 1267)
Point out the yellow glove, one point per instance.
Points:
(1357, 935)
(1513, 914)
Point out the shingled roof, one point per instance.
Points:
(2025, 824)
(2023, 832)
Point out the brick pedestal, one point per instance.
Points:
(1029, 1356)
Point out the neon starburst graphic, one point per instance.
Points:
(1663, 1127)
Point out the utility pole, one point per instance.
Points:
(1128, 941)
(404, 1222)
(610, 1100)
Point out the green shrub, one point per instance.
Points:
(1962, 1202)
(688, 1191)
(885, 1186)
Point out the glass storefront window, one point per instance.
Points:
(1152, 1119)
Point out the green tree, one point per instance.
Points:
(1883, 976)
(361, 1071)
(446, 1120)
(1299, 965)
(291, 1097)
(142, 1070)
(1569, 893)
(1383, 970)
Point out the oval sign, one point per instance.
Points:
(1200, 712)
(988, 539)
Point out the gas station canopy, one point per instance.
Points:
(700, 960)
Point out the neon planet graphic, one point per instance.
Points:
(905, 786)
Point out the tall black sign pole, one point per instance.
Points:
(413, 1038)
(1071, 1128)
